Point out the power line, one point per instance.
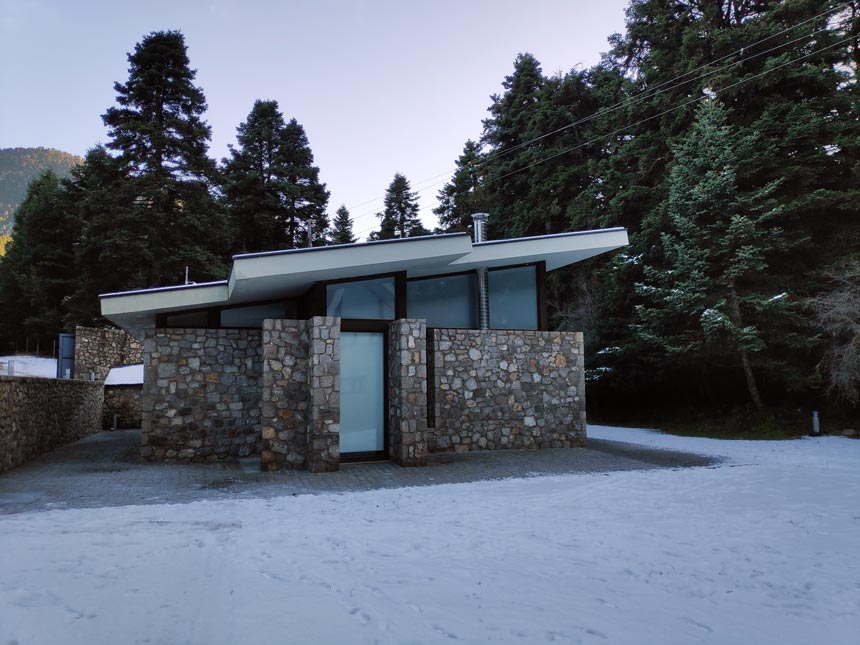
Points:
(655, 91)
(658, 115)
(644, 95)
(665, 112)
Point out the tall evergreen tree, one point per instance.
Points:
(37, 274)
(115, 249)
(271, 186)
(162, 141)
(506, 133)
(712, 300)
(400, 216)
(342, 227)
(462, 196)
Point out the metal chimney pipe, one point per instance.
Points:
(479, 222)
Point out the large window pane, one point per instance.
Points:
(448, 301)
(513, 298)
(369, 299)
(253, 316)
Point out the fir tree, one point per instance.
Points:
(400, 216)
(712, 300)
(342, 227)
(115, 249)
(271, 186)
(37, 273)
(161, 141)
(462, 196)
(506, 133)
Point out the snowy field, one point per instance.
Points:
(29, 366)
(764, 548)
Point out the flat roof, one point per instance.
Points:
(289, 273)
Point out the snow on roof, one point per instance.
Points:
(125, 375)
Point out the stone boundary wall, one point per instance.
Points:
(202, 394)
(301, 394)
(498, 389)
(99, 349)
(285, 394)
(38, 415)
(124, 402)
(407, 391)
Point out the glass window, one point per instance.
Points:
(367, 299)
(194, 319)
(254, 315)
(513, 298)
(362, 392)
(447, 301)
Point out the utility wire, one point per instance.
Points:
(658, 115)
(632, 101)
(641, 96)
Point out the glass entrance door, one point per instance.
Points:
(362, 394)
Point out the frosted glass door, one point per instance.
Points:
(362, 420)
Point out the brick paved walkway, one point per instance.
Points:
(105, 470)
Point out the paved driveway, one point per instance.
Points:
(105, 470)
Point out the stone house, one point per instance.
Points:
(378, 350)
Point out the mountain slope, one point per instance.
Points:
(18, 166)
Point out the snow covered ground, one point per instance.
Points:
(764, 548)
(29, 366)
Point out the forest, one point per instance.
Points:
(723, 134)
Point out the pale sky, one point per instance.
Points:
(380, 87)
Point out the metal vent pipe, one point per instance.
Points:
(479, 221)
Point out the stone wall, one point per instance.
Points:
(499, 389)
(201, 394)
(124, 402)
(285, 394)
(407, 391)
(324, 413)
(301, 394)
(39, 414)
(99, 349)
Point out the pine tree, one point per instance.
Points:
(506, 132)
(115, 249)
(271, 186)
(162, 141)
(712, 301)
(342, 227)
(37, 273)
(400, 216)
(462, 196)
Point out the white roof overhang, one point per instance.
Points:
(285, 274)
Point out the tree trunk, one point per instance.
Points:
(752, 387)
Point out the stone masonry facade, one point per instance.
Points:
(122, 402)
(407, 391)
(498, 389)
(285, 394)
(99, 349)
(222, 394)
(301, 394)
(38, 415)
(201, 394)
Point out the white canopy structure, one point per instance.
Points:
(263, 277)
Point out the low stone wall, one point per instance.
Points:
(407, 391)
(124, 402)
(301, 394)
(38, 415)
(501, 389)
(201, 394)
(99, 349)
